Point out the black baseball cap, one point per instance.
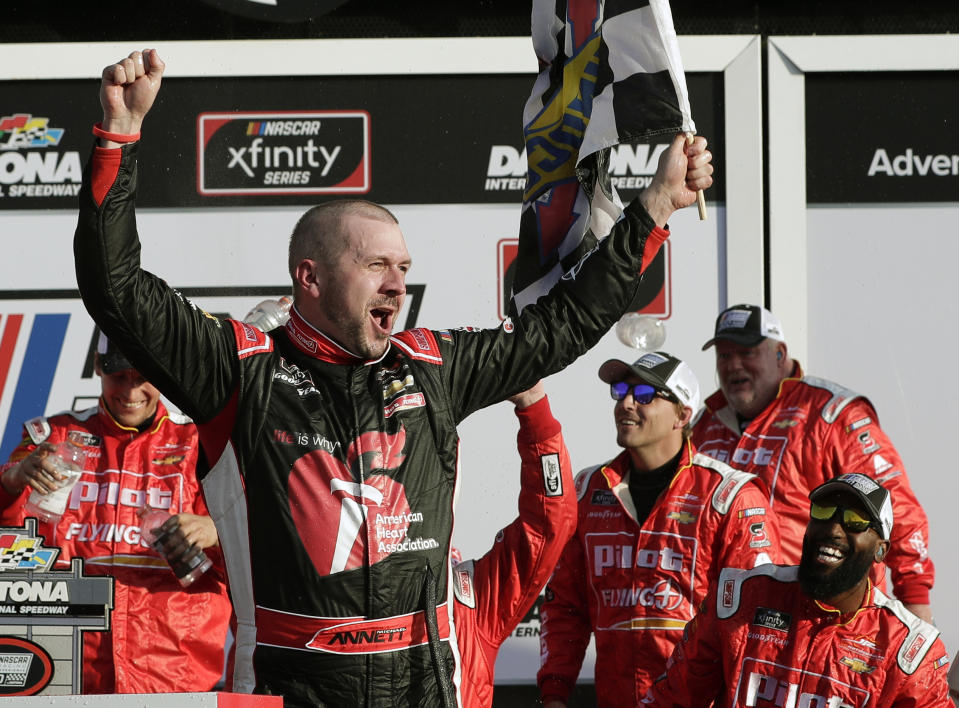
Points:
(111, 359)
(746, 325)
(659, 369)
(873, 496)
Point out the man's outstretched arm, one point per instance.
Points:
(188, 355)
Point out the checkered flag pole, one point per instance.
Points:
(610, 73)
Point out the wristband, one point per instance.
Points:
(115, 137)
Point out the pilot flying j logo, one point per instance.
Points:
(310, 152)
(764, 683)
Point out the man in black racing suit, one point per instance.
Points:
(333, 445)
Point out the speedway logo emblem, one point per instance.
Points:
(309, 152)
(29, 170)
(22, 130)
(25, 552)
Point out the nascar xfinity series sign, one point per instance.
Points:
(248, 141)
(317, 152)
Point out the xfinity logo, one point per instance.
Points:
(311, 152)
(631, 166)
(252, 157)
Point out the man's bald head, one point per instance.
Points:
(318, 235)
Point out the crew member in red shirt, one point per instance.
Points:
(795, 432)
(820, 634)
(162, 638)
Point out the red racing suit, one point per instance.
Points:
(760, 641)
(635, 587)
(493, 594)
(813, 431)
(162, 638)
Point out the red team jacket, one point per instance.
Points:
(813, 431)
(761, 642)
(635, 587)
(163, 638)
(495, 592)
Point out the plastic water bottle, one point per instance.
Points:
(68, 460)
(643, 332)
(270, 314)
(162, 531)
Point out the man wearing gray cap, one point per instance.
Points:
(795, 432)
(820, 634)
(654, 526)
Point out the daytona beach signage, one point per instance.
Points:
(43, 613)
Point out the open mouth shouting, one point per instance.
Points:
(383, 318)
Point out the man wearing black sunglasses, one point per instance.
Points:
(795, 432)
(655, 525)
(820, 634)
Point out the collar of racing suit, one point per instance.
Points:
(150, 426)
(312, 342)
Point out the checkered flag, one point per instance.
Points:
(610, 74)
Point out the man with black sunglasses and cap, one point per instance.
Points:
(816, 634)
(654, 527)
(795, 432)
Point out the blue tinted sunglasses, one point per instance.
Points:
(642, 393)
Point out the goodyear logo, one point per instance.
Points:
(22, 552)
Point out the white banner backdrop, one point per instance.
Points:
(454, 249)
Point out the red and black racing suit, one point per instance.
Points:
(333, 478)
